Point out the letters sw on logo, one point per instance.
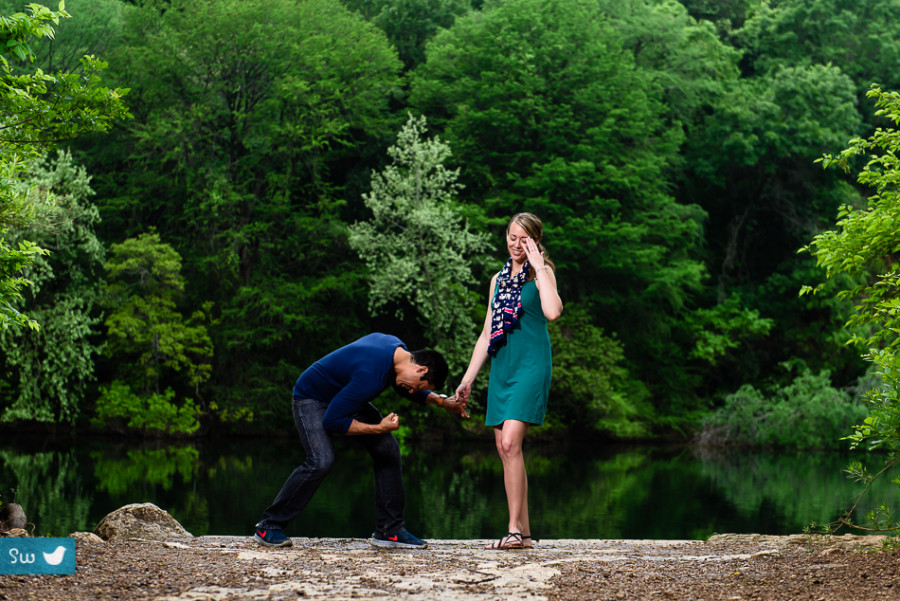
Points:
(37, 555)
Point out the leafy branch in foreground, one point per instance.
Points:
(864, 247)
(881, 518)
(38, 110)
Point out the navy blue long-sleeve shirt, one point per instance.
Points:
(350, 377)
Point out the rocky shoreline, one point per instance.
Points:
(161, 566)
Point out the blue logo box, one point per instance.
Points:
(37, 555)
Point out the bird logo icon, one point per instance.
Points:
(55, 558)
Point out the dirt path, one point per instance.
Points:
(213, 568)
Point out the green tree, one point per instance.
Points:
(144, 323)
(861, 254)
(806, 66)
(122, 410)
(684, 58)
(38, 110)
(236, 90)
(411, 24)
(418, 247)
(48, 370)
(762, 199)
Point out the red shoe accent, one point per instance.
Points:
(393, 538)
(261, 533)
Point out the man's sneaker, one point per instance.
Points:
(400, 540)
(271, 537)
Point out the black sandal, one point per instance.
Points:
(513, 541)
(527, 537)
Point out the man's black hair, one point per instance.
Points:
(436, 364)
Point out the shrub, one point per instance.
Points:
(120, 409)
(808, 413)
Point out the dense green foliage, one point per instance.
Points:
(48, 371)
(269, 184)
(548, 110)
(246, 113)
(592, 390)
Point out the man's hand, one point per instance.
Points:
(390, 423)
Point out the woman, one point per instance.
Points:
(521, 300)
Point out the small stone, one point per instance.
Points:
(87, 538)
(12, 517)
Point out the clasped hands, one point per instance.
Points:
(456, 404)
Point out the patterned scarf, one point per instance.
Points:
(507, 304)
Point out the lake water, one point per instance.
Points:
(453, 490)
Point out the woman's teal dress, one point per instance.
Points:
(521, 369)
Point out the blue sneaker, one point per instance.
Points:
(399, 540)
(271, 537)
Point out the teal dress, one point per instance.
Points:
(520, 371)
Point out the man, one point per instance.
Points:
(333, 396)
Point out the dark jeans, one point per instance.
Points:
(303, 482)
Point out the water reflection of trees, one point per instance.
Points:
(453, 490)
(49, 487)
(120, 472)
(802, 487)
(574, 492)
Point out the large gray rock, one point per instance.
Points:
(140, 520)
(12, 517)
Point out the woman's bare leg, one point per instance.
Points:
(509, 437)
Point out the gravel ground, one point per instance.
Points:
(727, 567)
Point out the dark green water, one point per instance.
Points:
(453, 491)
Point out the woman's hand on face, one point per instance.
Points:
(534, 254)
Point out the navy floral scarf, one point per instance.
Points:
(506, 309)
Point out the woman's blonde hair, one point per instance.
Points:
(534, 227)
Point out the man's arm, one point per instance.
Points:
(388, 423)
